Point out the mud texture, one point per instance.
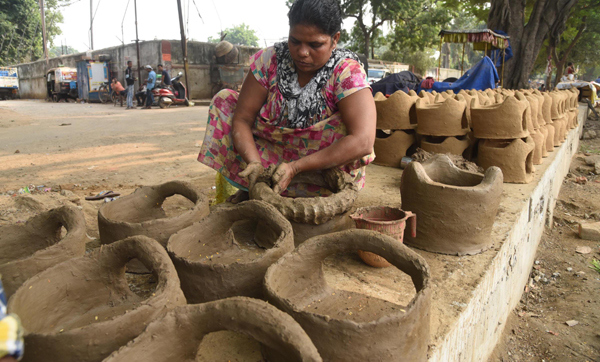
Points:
(383, 331)
(83, 309)
(141, 213)
(455, 209)
(397, 112)
(310, 210)
(458, 161)
(514, 157)
(303, 232)
(452, 145)
(177, 335)
(504, 120)
(26, 250)
(390, 149)
(227, 253)
(444, 117)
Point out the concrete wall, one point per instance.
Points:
(168, 52)
(480, 325)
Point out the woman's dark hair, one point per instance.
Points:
(569, 64)
(324, 14)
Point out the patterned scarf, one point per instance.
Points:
(303, 104)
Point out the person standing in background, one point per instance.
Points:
(129, 79)
(150, 83)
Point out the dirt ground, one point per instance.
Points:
(64, 152)
(562, 285)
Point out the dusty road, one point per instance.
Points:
(93, 144)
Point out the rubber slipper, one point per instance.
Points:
(103, 195)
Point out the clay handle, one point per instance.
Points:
(148, 251)
(413, 223)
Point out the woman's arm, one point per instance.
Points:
(251, 99)
(359, 115)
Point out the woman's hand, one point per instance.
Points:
(252, 171)
(284, 173)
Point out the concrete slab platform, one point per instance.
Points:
(473, 295)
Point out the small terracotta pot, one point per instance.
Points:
(386, 220)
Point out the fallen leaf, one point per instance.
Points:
(572, 323)
(583, 249)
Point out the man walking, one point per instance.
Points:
(130, 79)
(150, 83)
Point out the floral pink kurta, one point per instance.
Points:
(274, 143)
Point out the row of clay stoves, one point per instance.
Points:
(510, 129)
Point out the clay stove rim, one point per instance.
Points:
(265, 209)
(487, 179)
(357, 234)
(71, 234)
(163, 283)
(260, 312)
(138, 192)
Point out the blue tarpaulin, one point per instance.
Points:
(497, 54)
(482, 76)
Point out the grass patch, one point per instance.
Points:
(595, 265)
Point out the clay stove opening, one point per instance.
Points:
(529, 162)
(142, 285)
(383, 133)
(229, 241)
(176, 205)
(152, 207)
(228, 346)
(453, 177)
(524, 120)
(15, 248)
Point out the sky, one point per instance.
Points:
(159, 19)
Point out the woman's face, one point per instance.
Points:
(310, 47)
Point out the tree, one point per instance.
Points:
(238, 35)
(57, 51)
(585, 18)
(20, 29)
(528, 23)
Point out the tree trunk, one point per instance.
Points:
(560, 63)
(549, 77)
(527, 35)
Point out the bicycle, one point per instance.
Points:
(104, 93)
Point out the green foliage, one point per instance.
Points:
(238, 35)
(21, 31)
(595, 265)
(418, 23)
(59, 50)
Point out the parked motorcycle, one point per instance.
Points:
(174, 95)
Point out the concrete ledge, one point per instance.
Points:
(474, 334)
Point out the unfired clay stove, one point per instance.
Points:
(444, 117)
(83, 309)
(514, 157)
(455, 208)
(228, 252)
(390, 148)
(396, 112)
(177, 335)
(296, 284)
(505, 120)
(26, 250)
(141, 213)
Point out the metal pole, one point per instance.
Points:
(503, 56)
(462, 62)
(44, 32)
(183, 47)
(440, 59)
(91, 25)
(137, 43)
